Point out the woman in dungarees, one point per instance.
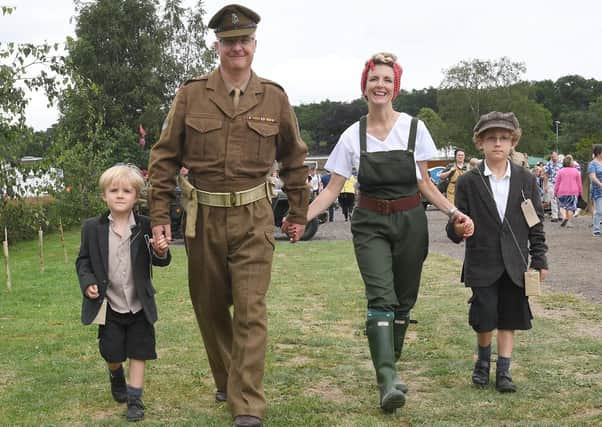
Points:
(389, 225)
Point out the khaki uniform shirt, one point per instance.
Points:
(226, 149)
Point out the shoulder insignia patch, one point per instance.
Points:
(196, 79)
(269, 82)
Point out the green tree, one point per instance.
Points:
(473, 80)
(326, 121)
(124, 66)
(187, 53)
(436, 126)
(23, 67)
(580, 129)
(473, 88)
(412, 102)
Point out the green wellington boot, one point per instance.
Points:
(379, 329)
(402, 321)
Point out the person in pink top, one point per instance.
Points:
(567, 188)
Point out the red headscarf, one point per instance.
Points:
(384, 59)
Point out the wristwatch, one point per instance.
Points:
(452, 212)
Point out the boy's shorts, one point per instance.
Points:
(503, 305)
(126, 336)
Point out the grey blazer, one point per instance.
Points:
(92, 264)
(492, 249)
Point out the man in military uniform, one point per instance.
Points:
(227, 128)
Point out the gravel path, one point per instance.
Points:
(573, 255)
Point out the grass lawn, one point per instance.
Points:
(318, 369)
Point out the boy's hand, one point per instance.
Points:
(463, 225)
(92, 292)
(160, 245)
(543, 273)
(162, 230)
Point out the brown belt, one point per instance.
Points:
(387, 207)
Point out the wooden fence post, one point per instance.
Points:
(5, 245)
(41, 237)
(63, 240)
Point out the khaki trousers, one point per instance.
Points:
(229, 263)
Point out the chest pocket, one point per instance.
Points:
(261, 147)
(203, 136)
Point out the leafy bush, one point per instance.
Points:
(23, 217)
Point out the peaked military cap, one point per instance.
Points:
(234, 20)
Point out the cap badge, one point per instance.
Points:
(235, 19)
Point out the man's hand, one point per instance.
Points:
(92, 292)
(294, 231)
(162, 230)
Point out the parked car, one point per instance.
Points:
(176, 212)
(434, 173)
(280, 208)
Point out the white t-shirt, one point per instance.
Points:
(315, 182)
(346, 154)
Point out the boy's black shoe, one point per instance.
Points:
(135, 409)
(247, 421)
(480, 373)
(221, 396)
(118, 387)
(503, 382)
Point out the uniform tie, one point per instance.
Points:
(236, 98)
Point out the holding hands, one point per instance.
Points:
(160, 245)
(463, 225)
(294, 231)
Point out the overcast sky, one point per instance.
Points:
(316, 48)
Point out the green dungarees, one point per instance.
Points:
(390, 249)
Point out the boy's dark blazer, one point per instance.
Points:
(92, 264)
(492, 249)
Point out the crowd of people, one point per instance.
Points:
(560, 182)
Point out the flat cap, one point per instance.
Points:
(495, 119)
(234, 20)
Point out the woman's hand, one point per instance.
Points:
(294, 231)
(463, 225)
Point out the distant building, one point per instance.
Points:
(24, 182)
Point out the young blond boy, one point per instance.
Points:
(114, 271)
(497, 254)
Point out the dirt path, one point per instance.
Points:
(574, 256)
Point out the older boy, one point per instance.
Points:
(114, 269)
(496, 255)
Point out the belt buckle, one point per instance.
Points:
(384, 206)
(232, 199)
